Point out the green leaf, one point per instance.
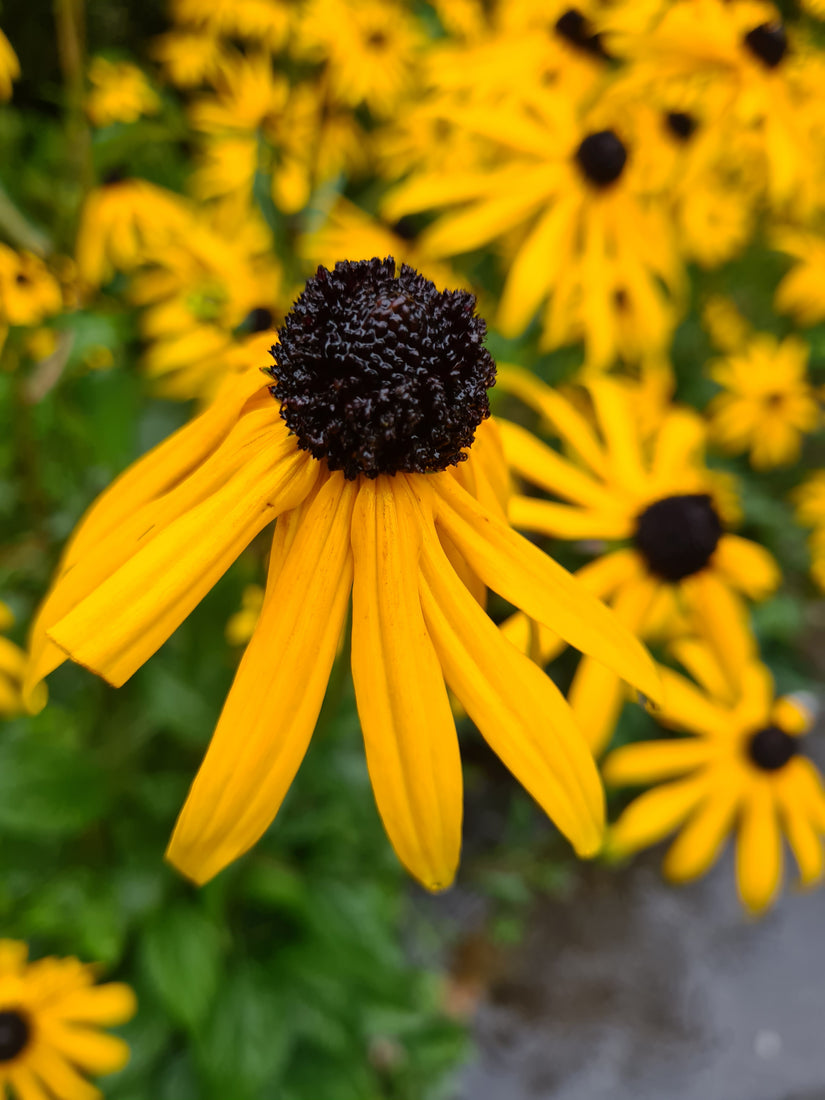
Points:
(181, 953)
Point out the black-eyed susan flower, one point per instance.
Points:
(123, 223)
(9, 67)
(767, 404)
(260, 22)
(587, 246)
(374, 452)
(51, 1013)
(12, 669)
(28, 290)
(668, 561)
(120, 92)
(741, 770)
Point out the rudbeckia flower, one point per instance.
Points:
(650, 493)
(588, 245)
(123, 223)
(120, 92)
(28, 290)
(742, 770)
(51, 1013)
(373, 451)
(261, 22)
(767, 404)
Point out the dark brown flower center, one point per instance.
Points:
(767, 42)
(576, 29)
(678, 535)
(380, 373)
(602, 157)
(14, 1034)
(680, 124)
(771, 748)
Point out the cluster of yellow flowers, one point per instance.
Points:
(575, 165)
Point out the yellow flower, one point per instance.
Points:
(768, 403)
(360, 459)
(241, 626)
(196, 294)
(650, 491)
(742, 770)
(120, 93)
(9, 67)
(261, 22)
(809, 498)
(760, 86)
(189, 57)
(123, 224)
(369, 48)
(727, 328)
(28, 290)
(595, 251)
(12, 668)
(50, 1015)
(802, 292)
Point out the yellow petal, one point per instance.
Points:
(409, 733)
(679, 445)
(92, 1051)
(655, 814)
(651, 761)
(60, 1078)
(620, 430)
(522, 574)
(697, 846)
(543, 467)
(803, 835)
(271, 710)
(747, 566)
(685, 706)
(565, 420)
(719, 617)
(758, 849)
(565, 521)
(112, 1003)
(132, 612)
(25, 1086)
(517, 708)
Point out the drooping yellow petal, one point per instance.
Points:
(565, 521)
(522, 574)
(132, 612)
(758, 848)
(91, 1050)
(655, 814)
(409, 733)
(517, 708)
(687, 707)
(700, 840)
(25, 1086)
(747, 566)
(152, 475)
(271, 710)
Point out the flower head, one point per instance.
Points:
(120, 93)
(388, 516)
(741, 769)
(50, 1013)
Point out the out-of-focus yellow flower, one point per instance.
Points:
(196, 293)
(816, 8)
(741, 771)
(651, 491)
(120, 93)
(727, 328)
(588, 244)
(809, 498)
(764, 93)
(768, 403)
(12, 668)
(260, 22)
(241, 625)
(9, 67)
(802, 291)
(28, 290)
(40, 343)
(369, 49)
(51, 1013)
(125, 223)
(189, 57)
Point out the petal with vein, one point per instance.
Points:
(270, 713)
